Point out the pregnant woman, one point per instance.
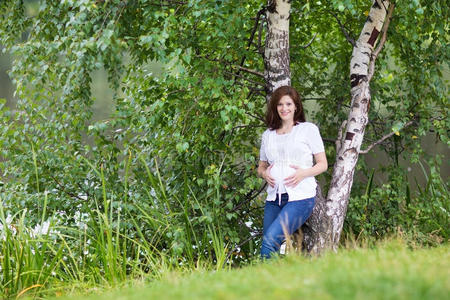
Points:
(291, 154)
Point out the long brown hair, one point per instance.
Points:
(273, 120)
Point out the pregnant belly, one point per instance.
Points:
(280, 171)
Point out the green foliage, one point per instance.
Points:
(193, 121)
(422, 213)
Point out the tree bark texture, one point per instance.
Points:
(314, 240)
(276, 54)
(347, 150)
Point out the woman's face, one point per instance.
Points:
(286, 108)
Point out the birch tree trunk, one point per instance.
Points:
(276, 54)
(315, 229)
(347, 150)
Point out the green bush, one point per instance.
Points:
(422, 214)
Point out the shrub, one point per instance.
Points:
(394, 207)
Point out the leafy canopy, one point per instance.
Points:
(190, 135)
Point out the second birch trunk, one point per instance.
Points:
(347, 150)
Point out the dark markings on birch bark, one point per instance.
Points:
(352, 120)
(274, 70)
(272, 7)
(376, 5)
(369, 19)
(349, 136)
(366, 53)
(340, 158)
(355, 79)
(350, 152)
(373, 37)
(355, 65)
(356, 130)
(279, 77)
(364, 100)
(355, 105)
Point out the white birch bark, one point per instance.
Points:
(276, 54)
(348, 149)
(315, 230)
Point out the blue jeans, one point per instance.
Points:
(280, 218)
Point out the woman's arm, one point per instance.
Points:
(264, 172)
(320, 166)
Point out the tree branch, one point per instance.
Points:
(260, 118)
(245, 78)
(170, 3)
(314, 98)
(310, 42)
(259, 46)
(383, 139)
(344, 31)
(252, 35)
(61, 188)
(327, 140)
(248, 126)
(381, 43)
(251, 237)
(255, 27)
(241, 68)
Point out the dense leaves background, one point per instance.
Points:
(175, 163)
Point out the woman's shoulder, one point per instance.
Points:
(306, 126)
(267, 132)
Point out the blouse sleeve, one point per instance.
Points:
(262, 151)
(315, 140)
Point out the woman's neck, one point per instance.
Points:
(286, 127)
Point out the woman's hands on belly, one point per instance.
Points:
(296, 177)
(279, 171)
(268, 177)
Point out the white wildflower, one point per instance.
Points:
(39, 229)
(249, 224)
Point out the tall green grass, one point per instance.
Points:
(105, 252)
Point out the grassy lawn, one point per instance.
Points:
(390, 271)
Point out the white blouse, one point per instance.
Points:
(294, 148)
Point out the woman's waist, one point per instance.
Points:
(292, 162)
(306, 185)
(287, 161)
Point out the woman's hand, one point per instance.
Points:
(267, 177)
(294, 179)
(320, 166)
